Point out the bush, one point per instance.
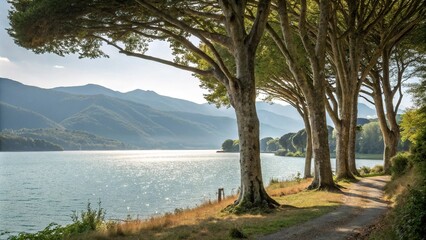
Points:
(377, 169)
(364, 170)
(90, 220)
(399, 164)
(411, 215)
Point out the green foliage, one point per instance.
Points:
(419, 152)
(399, 164)
(52, 232)
(377, 169)
(413, 121)
(410, 215)
(370, 139)
(13, 142)
(89, 220)
(366, 171)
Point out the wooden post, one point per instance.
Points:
(220, 194)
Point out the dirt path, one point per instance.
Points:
(363, 205)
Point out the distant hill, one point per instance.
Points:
(69, 139)
(12, 142)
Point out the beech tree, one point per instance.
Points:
(83, 26)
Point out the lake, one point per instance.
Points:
(37, 188)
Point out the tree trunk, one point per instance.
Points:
(390, 149)
(342, 146)
(352, 139)
(308, 154)
(323, 178)
(242, 94)
(387, 118)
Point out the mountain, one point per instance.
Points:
(165, 103)
(366, 112)
(22, 118)
(275, 119)
(149, 98)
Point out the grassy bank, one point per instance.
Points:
(407, 192)
(209, 221)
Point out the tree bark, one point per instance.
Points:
(390, 149)
(323, 179)
(241, 90)
(352, 139)
(242, 93)
(308, 154)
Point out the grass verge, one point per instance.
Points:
(209, 222)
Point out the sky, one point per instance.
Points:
(119, 72)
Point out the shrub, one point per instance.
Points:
(90, 220)
(364, 170)
(411, 215)
(377, 169)
(399, 164)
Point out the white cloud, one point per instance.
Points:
(4, 59)
(58, 66)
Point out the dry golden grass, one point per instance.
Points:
(397, 186)
(209, 222)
